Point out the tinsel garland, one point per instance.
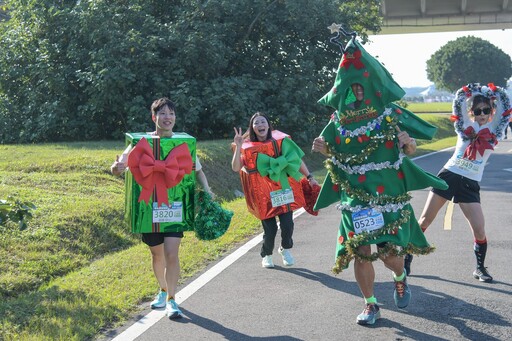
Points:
(310, 195)
(378, 208)
(211, 220)
(369, 149)
(362, 194)
(388, 250)
(371, 166)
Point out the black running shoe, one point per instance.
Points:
(482, 275)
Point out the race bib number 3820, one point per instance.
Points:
(367, 220)
(166, 214)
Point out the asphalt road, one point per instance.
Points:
(308, 302)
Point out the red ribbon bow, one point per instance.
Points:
(157, 174)
(352, 59)
(479, 142)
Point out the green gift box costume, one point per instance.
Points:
(368, 174)
(141, 214)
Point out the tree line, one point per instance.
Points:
(75, 70)
(89, 70)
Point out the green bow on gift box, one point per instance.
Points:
(280, 168)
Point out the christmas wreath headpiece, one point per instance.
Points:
(466, 94)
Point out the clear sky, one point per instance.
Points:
(405, 55)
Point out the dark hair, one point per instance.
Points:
(160, 103)
(252, 134)
(480, 99)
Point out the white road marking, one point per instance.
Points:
(146, 322)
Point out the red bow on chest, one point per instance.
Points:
(158, 174)
(479, 142)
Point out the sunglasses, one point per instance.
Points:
(485, 111)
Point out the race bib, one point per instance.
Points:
(166, 214)
(367, 220)
(468, 165)
(281, 197)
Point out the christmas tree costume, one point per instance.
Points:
(368, 174)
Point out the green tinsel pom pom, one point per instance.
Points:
(211, 220)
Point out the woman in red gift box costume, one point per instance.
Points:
(270, 166)
(369, 175)
(164, 246)
(478, 131)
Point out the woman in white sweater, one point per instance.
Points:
(478, 131)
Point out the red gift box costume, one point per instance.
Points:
(258, 188)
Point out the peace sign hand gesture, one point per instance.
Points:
(239, 138)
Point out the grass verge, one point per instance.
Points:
(434, 107)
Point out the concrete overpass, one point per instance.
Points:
(417, 16)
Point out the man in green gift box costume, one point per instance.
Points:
(164, 246)
(369, 174)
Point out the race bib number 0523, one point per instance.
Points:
(367, 220)
(166, 214)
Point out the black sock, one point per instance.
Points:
(480, 248)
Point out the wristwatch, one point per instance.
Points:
(310, 176)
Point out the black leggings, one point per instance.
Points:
(270, 231)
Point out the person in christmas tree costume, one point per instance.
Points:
(369, 174)
(478, 131)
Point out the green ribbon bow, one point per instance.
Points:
(280, 168)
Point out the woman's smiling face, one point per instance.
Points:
(260, 127)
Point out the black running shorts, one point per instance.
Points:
(460, 188)
(157, 238)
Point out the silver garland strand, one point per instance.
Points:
(372, 166)
(379, 208)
